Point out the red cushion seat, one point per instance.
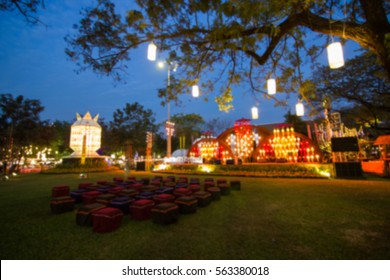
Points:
(215, 193)
(141, 209)
(164, 197)
(61, 204)
(129, 192)
(194, 187)
(182, 192)
(165, 213)
(106, 219)
(60, 191)
(84, 213)
(105, 198)
(204, 198)
(90, 197)
(115, 190)
(187, 204)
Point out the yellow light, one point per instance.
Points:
(206, 168)
(324, 173)
(152, 51)
(162, 166)
(335, 55)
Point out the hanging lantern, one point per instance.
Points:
(271, 86)
(255, 113)
(299, 109)
(152, 51)
(335, 55)
(195, 91)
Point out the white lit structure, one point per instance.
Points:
(271, 86)
(152, 51)
(299, 109)
(335, 55)
(85, 136)
(255, 113)
(195, 91)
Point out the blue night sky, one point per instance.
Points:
(34, 64)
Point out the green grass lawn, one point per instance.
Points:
(267, 219)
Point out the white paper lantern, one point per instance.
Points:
(255, 113)
(195, 91)
(152, 51)
(271, 86)
(299, 109)
(335, 55)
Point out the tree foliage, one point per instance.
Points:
(130, 124)
(60, 137)
(217, 125)
(19, 125)
(188, 126)
(27, 8)
(361, 92)
(298, 124)
(223, 43)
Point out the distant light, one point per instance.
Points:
(299, 109)
(206, 168)
(195, 91)
(160, 64)
(271, 86)
(335, 55)
(160, 167)
(255, 113)
(325, 173)
(152, 52)
(174, 65)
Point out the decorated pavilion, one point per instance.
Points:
(250, 143)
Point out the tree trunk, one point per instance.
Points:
(378, 26)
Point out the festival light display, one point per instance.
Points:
(247, 143)
(244, 140)
(285, 145)
(85, 136)
(207, 147)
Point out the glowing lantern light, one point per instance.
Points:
(195, 91)
(335, 55)
(299, 109)
(255, 113)
(271, 86)
(85, 136)
(152, 51)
